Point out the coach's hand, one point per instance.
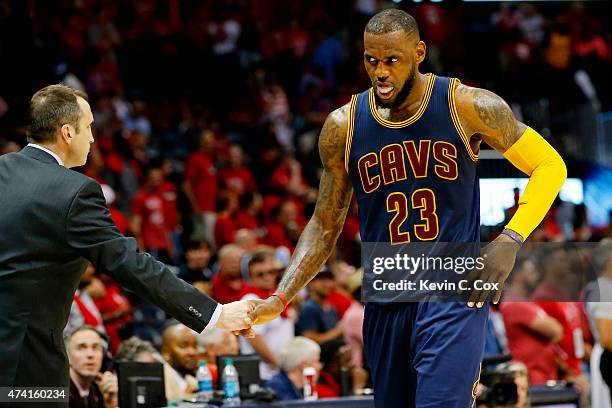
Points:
(236, 316)
(499, 257)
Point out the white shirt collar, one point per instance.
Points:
(44, 149)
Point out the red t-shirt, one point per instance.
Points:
(569, 315)
(225, 230)
(149, 205)
(526, 346)
(339, 301)
(327, 387)
(276, 236)
(170, 212)
(239, 179)
(223, 293)
(119, 219)
(572, 342)
(112, 301)
(246, 220)
(201, 173)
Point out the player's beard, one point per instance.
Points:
(401, 95)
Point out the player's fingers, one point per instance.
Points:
(473, 298)
(498, 294)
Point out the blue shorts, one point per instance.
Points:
(424, 355)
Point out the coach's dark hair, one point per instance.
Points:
(391, 20)
(50, 109)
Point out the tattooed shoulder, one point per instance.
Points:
(488, 115)
(332, 140)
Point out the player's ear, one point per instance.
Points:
(421, 51)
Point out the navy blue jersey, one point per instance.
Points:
(414, 180)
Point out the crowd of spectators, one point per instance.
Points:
(207, 115)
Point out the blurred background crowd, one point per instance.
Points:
(207, 116)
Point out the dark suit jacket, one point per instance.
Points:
(52, 222)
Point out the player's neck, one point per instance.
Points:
(413, 100)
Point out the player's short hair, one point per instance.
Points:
(391, 20)
(297, 351)
(51, 108)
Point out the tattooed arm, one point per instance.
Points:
(319, 237)
(486, 116)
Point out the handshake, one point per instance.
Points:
(238, 317)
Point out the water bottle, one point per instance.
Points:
(231, 384)
(205, 383)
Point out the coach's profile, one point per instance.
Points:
(52, 222)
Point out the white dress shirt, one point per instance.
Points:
(44, 149)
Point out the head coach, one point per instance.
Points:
(53, 221)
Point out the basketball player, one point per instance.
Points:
(408, 147)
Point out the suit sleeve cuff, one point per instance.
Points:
(215, 316)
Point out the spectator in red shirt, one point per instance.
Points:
(337, 362)
(339, 297)
(169, 195)
(121, 222)
(115, 309)
(287, 177)
(148, 222)
(531, 332)
(284, 229)
(249, 212)
(236, 176)
(228, 285)
(554, 296)
(225, 225)
(201, 186)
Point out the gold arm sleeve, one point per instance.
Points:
(535, 157)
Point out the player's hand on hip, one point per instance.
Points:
(236, 316)
(488, 283)
(267, 310)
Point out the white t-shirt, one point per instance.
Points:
(275, 333)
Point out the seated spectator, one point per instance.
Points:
(228, 285)
(197, 262)
(557, 296)
(140, 351)
(284, 228)
(115, 309)
(179, 349)
(318, 320)
(531, 332)
(270, 337)
(249, 212)
(89, 388)
(337, 368)
(235, 176)
(120, 220)
(225, 226)
(246, 239)
(599, 308)
(296, 355)
(83, 310)
(339, 297)
(213, 342)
